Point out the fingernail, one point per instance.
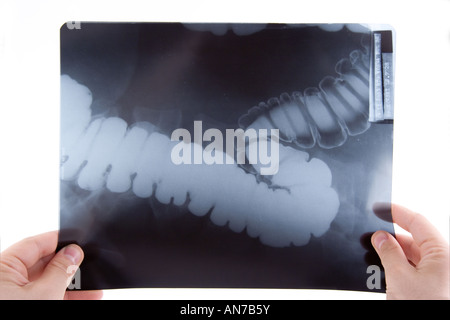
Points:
(73, 253)
(379, 239)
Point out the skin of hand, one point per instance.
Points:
(31, 270)
(417, 266)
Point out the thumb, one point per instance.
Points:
(390, 252)
(59, 271)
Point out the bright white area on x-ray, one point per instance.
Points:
(29, 82)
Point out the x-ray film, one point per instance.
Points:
(226, 155)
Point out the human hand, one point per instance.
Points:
(30, 269)
(416, 267)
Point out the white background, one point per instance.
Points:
(29, 105)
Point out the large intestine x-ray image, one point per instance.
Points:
(225, 155)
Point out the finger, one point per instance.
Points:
(410, 248)
(27, 252)
(383, 210)
(59, 271)
(36, 270)
(424, 233)
(390, 252)
(84, 295)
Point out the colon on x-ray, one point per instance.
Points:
(221, 155)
